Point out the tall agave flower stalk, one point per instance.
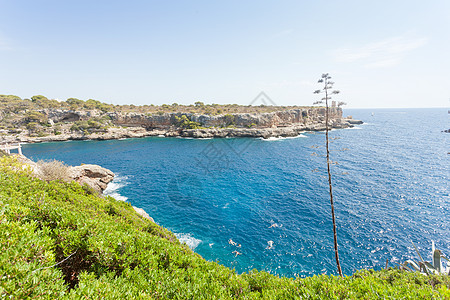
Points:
(327, 90)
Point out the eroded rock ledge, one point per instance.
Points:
(94, 176)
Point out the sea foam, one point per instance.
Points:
(273, 139)
(114, 186)
(187, 238)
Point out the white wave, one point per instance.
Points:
(280, 138)
(189, 240)
(353, 128)
(114, 186)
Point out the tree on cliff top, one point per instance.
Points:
(327, 90)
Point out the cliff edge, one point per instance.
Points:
(40, 119)
(94, 176)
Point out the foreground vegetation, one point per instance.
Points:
(61, 240)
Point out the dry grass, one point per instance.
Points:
(53, 170)
(3, 153)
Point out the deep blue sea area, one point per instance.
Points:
(391, 187)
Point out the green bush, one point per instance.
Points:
(58, 240)
(74, 127)
(91, 125)
(185, 123)
(32, 126)
(230, 120)
(34, 116)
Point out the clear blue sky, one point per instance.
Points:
(380, 53)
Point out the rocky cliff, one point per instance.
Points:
(62, 125)
(307, 115)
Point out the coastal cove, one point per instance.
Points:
(391, 187)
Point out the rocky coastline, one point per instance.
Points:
(94, 176)
(62, 125)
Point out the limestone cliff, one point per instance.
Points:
(307, 115)
(65, 124)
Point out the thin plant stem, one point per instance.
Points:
(329, 180)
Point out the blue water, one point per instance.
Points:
(391, 187)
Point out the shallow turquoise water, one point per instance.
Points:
(391, 187)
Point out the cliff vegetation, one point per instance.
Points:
(60, 240)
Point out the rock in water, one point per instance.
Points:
(92, 175)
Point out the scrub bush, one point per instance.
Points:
(58, 241)
(53, 170)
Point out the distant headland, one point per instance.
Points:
(40, 119)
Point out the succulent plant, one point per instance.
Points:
(427, 268)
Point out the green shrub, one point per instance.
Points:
(32, 126)
(185, 123)
(34, 116)
(58, 241)
(74, 127)
(230, 120)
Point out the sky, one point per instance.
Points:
(381, 54)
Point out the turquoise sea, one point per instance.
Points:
(391, 187)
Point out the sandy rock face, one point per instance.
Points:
(92, 175)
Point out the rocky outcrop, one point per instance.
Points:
(288, 131)
(94, 176)
(283, 118)
(62, 115)
(142, 213)
(307, 115)
(353, 121)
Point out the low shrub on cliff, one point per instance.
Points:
(58, 241)
(185, 123)
(53, 170)
(91, 125)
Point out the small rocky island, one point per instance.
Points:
(42, 120)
